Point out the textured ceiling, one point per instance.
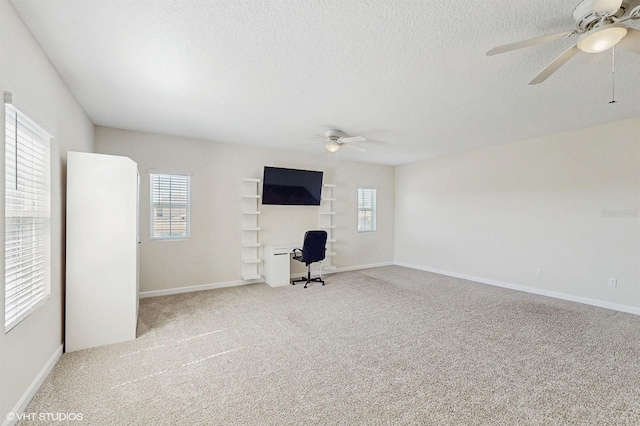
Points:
(411, 76)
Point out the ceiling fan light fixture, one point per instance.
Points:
(601, 39)
(332, 146)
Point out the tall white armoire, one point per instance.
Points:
(102, 250)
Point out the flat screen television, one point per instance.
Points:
(291, 187)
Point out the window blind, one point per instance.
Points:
(27, 214)
(366, 209)
(170, 205)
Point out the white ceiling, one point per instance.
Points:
(410, 75)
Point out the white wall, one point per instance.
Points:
(27, 73)
(500, 213)
(212, 254)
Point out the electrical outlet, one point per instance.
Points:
(539, 271)
(613, 282)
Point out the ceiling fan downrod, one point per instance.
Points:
(613, 75)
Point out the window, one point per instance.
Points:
(170, 201)
(27, 216)
(366, 209)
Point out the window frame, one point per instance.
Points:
(170, 204)
(28, 276)
(364, 209)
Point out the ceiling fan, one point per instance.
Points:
(335, 139)
(599, 26)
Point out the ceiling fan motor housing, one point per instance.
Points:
(333, 134)
(586, 18)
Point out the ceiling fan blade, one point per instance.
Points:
(606, 6)
(355, 147)
(528, 43)
(553, 66)
(353, 139)
(631, 41)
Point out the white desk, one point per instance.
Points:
(277, 264)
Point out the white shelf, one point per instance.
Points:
(327, 220)
(251, 276)
(250, 257)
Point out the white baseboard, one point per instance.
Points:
(28, 395)
(368, 266)
(179, 290)
(570, 297)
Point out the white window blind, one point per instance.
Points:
(170, 202)
(366, 209)
(27, 214)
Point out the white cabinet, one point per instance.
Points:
(102, 250)
(277, 264)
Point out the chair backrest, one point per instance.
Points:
(313, 247)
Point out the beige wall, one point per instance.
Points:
(500, 213)
(26, 72)
(212, 254)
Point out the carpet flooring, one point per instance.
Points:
(388, 345)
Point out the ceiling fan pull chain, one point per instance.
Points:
(613, 75)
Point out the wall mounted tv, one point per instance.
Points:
(291, 187)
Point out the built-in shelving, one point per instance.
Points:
(250, 243)
(327, 222)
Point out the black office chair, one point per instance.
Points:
(313, 250)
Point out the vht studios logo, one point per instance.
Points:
(44, 417)
(621, 213)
